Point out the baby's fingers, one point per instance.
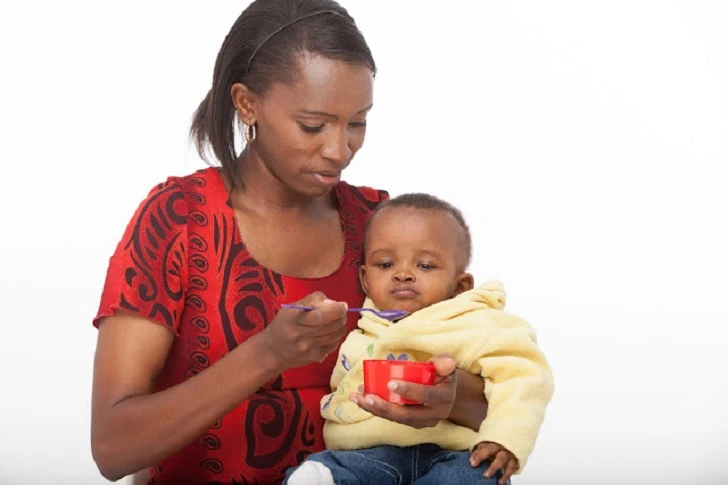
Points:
(511, 468)
(483, 452)
(497, 464)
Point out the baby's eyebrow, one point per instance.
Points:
(430, 252)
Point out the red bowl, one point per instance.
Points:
(378, 373)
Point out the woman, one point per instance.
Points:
(197, 373)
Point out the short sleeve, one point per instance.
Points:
(148, 271)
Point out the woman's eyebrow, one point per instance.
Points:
(316, 113)
(329, 115)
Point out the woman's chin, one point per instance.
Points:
(313, 190)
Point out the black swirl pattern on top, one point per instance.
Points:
(182, 263)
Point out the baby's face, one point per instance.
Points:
(413, 259)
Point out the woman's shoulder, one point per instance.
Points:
(363, 197)
(204, 180)
(190, 192)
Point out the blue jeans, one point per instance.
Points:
(390, 465)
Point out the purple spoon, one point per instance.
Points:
(385, 314)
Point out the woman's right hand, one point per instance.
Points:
(299, 337)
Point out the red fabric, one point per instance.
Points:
(182, 263)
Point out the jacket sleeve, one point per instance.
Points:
(518, 386)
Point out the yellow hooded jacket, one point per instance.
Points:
(483, 339)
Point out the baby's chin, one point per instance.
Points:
(409, 306)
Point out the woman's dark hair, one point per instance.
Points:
(261, 49)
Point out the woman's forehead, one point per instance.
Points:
(324, 85)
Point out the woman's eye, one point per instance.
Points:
(311, 129)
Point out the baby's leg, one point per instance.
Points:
(436, 466)
(385, 465)
(310, 472)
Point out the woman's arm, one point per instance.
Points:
(470, 407)
(456, 396)
(131, 426)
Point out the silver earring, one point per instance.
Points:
(250, 133)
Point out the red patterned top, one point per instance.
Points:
(182, 263)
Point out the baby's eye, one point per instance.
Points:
(426, 266)
(385, 264)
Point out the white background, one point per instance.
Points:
(585, 142)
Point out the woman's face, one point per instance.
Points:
(309, 131)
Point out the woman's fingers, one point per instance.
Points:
(441, 394)
(414, 416)
(444, 366)
(326, 314)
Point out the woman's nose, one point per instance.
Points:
(337, 148)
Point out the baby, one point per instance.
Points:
(417, 249)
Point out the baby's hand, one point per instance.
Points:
(500, 459)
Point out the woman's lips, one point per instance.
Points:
(328, 179)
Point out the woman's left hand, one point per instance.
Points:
(437, 400)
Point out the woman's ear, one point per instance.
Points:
(245, 103)
(464, 282)
(363, 280)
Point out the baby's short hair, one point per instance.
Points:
(430, 202)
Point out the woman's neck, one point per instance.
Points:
(261, 192)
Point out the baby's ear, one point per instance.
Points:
(363, 280)
(464, 282)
